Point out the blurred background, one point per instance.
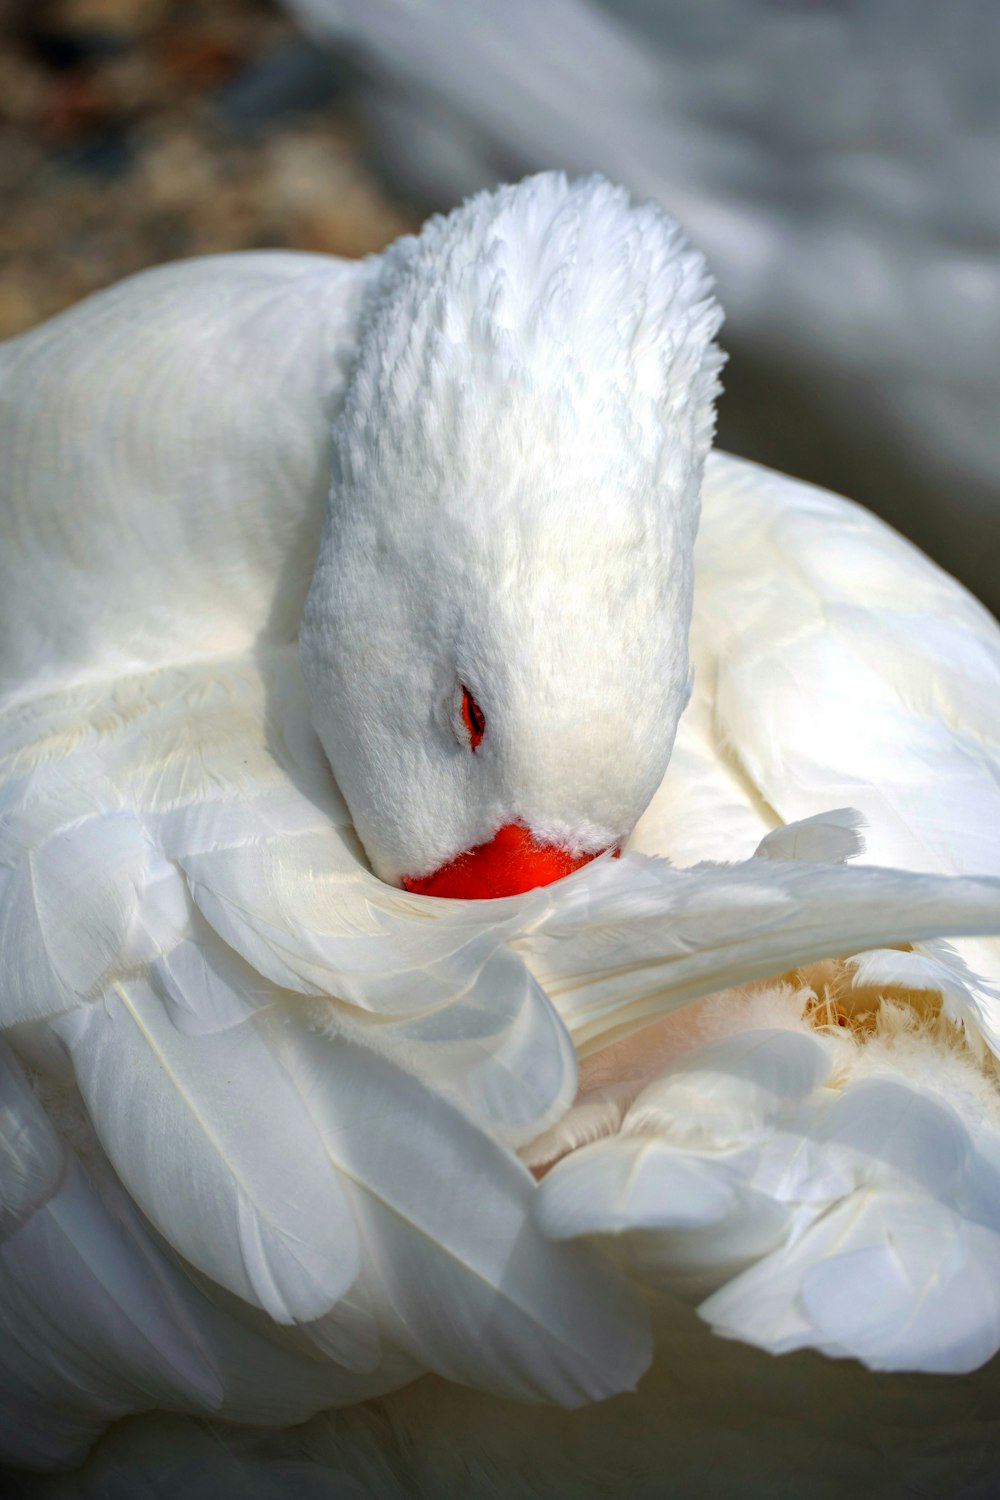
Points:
(837, 160)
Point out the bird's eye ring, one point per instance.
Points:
(473, 719)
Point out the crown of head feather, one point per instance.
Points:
(567, 296)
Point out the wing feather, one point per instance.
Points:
(32, 1159)
(848, 668)
(621, 943)
(89, 1328)
(245, 1191)
(462, 1279)
(821, 1197)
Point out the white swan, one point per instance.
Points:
(260, 1106)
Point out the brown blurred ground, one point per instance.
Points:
(138, 131)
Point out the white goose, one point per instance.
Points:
(261, 1105)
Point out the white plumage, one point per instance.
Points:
(262, 1110)
(836, 163)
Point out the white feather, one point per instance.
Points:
(459, 1276)
(32, 1160)
(829, 838)
(845, 664)
(229, 482)
(91, 1325)
(66, 914)
(821, 1205)
(244, 1191)
(616, 949)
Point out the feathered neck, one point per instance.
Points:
(547, 315)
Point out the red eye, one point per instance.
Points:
(473, 718)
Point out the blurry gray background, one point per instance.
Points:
(837, 160)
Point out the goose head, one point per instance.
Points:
(495, 638)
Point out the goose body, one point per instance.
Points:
(270, 1118)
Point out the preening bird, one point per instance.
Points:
(334, 595)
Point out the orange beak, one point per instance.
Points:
(511, 862)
